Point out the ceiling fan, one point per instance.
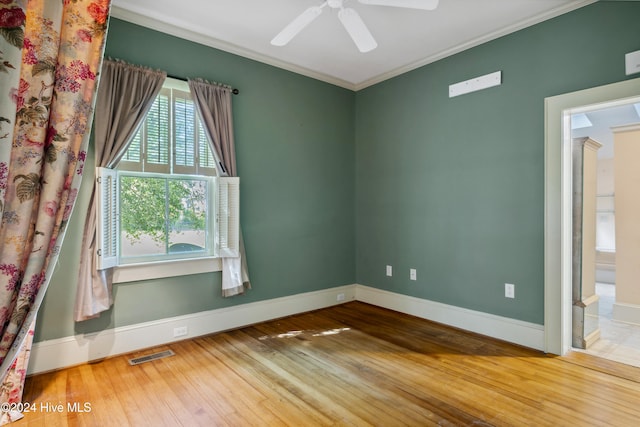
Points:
(350, 19)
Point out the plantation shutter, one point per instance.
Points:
(206, 161)
(106, 218)
(228, 216)
(132, 159)
(184, 125)
(156, 129)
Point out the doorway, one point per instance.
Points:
(616, 338)
(558, 203)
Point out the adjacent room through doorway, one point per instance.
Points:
(560, 303)
(614, 335)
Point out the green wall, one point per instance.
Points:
(455, 187)
(336, 184)
(295, 156)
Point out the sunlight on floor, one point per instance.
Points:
(293, 334)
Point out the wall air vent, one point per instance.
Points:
(150, 357)
(473, 85)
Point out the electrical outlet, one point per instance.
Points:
(180, 331)
(340, 297)
(509, 290)
(389, 271)
(413, 274)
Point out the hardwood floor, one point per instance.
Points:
(353, 364)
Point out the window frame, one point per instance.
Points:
(226, 232)
(210, 230)
(224, 223)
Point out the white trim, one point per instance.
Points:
(514, 331)
(174, 30)
(627, 128)
(557, 218)
(126, 273)
(163, 27)
(69, 351)
(475, 42)
(74, 350)
(627, 313)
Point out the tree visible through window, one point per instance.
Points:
(160, 215)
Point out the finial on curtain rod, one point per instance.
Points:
(233, 90)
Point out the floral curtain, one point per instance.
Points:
(50, 54)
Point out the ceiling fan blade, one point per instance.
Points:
(357, 30)
(411, 4)
(297, 25)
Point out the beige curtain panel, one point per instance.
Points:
(213, 103)
(125, 95)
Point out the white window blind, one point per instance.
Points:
(156, 135)
(184, 130)
(206, 161)
(133, 154)
(171, 139)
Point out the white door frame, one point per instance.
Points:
(557, 196)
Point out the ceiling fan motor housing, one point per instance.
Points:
(335, 4)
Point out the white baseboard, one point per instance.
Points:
(627, 313)
(69, 351)
(515, 331)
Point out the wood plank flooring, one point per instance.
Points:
(353, 364)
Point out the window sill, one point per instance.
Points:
(162, 269)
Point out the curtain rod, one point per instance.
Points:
(233, 90)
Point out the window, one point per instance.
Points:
(171, 139)
(163, 201)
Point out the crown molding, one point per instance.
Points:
(475, 42)
(174, 30)
(626, 128)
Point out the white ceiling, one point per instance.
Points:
(407, 38)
